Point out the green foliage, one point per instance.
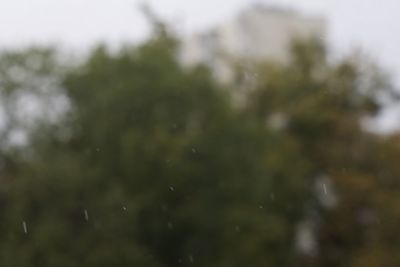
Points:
(153, 166)
(323, 105)
(155, 169)
(30, 94)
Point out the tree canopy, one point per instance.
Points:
(150, 163)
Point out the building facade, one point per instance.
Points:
(258, 33)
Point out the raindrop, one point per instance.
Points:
(124, 208)
(272, 196)
(170, 226)
(237, 228)
(194, 150)
(25, 227)
(191, 258)
(325, 190)
(171, 188)
(86, 215)
(261, 206)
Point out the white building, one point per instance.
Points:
(258, 33)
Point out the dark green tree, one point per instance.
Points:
(321, 105)
(152, 167)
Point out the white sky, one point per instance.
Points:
(373, 25)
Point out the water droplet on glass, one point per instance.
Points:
(194, 150)
(170, 226)
(261, 206)
(325, 190)
(272, 196)
(25, 227)
(124, 208)
(171, 188)
(86, 215)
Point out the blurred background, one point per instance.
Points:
(218, 133)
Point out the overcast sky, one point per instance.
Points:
(373, 25)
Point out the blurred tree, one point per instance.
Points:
(153, 167)
(321, 105)
(30, 97)
(149, 164)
